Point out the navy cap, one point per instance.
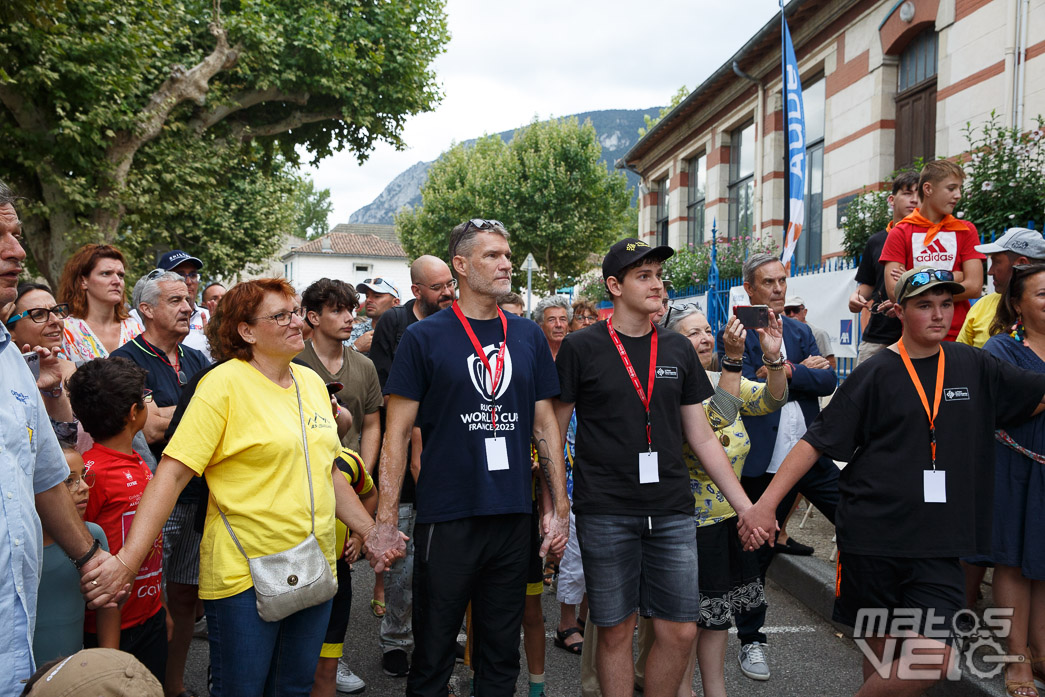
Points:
(174, 257)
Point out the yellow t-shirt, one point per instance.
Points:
(244, 431)
(976, 329)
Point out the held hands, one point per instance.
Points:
(772, 337)
(353, 547)
(384, 544)
(556, 531)
(757, 525)
(104, 581)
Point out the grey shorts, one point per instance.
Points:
(181, 546)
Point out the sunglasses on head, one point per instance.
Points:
(481, 224)
(923, 278)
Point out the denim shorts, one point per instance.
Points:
(643, 563)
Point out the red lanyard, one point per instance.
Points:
(644, 395)
(495, 373)
(921, 392)
(157, 353)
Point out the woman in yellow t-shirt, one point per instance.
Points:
(729, 576)
(243, 430)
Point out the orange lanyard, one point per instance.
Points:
(921, 392)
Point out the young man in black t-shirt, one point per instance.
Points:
(910, 503)
(883, 328)
(637, 391)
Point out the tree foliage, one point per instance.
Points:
(547, 186)
(97, 98)
(1005, 184)
(312, 210)
(676, 99)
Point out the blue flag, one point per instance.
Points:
(796, 147)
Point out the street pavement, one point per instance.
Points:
(807, 655)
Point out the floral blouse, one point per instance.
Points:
(724, 413)
(81, 344)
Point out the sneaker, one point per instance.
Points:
(753, 661)
(199, 630)
(347, 681)
(395, 663)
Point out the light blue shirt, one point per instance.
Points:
(31, 462)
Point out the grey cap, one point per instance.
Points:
(1018, 240)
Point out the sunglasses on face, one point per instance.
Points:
(40, 314)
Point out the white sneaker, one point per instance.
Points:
(753, 661)
(347, 681)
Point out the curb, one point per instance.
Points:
(812, 582)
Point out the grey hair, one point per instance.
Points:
(6, 197)
(677, 315)
(553, 301)
(462, 238)
(754, 262)
(147, 289)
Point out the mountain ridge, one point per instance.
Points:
(617, 131)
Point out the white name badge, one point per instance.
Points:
(496, 454)
(935, 484)
(649, 470)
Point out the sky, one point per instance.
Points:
(508, 62)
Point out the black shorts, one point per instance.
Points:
(535, 567)
(886, 595)
(334, 639)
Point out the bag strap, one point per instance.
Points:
(1005, 439)
(308, 469)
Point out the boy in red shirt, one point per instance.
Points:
(931, 236)
(108, 397)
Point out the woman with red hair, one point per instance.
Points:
(92, 285)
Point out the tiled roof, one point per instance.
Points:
(385, 232)
(351, 244)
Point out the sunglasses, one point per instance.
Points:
(40, 314)
(924, 278)
(685, 309)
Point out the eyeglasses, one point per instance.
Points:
(282, 319)
(685, 309)
(438, 287)
(190, 276)
(587, 319)
(40, 314)
(73, 482)
(926, 277)
(147, 395)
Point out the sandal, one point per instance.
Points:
(560, 640)
(1019, 688)
(551, 570)
(377, 607)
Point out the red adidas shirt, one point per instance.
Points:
(118, 486)
(947, 252)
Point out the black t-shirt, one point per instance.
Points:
(162, 378)
(611, 421)
(877, 424)
(881, 328)
(387, 334)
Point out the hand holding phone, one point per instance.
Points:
(32, 359)
(752, 316)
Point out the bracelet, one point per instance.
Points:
(732, 367)
(779, 362)
(78, 563)
(56, 392)
(774, 367)
(117, 555)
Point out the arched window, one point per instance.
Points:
(916, 100)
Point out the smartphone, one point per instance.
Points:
(752, 316)
(32, 359)
(334, 387)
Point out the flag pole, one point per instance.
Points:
(783, 93)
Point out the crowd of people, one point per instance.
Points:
(214, 460)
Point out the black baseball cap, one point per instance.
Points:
(174, 257)
(627, 252)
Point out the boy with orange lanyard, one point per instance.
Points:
(933, 237)
(916, 425)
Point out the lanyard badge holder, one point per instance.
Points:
(934, 481)
(496, 446)
(649, 468)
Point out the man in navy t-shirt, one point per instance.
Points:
(479, 384)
